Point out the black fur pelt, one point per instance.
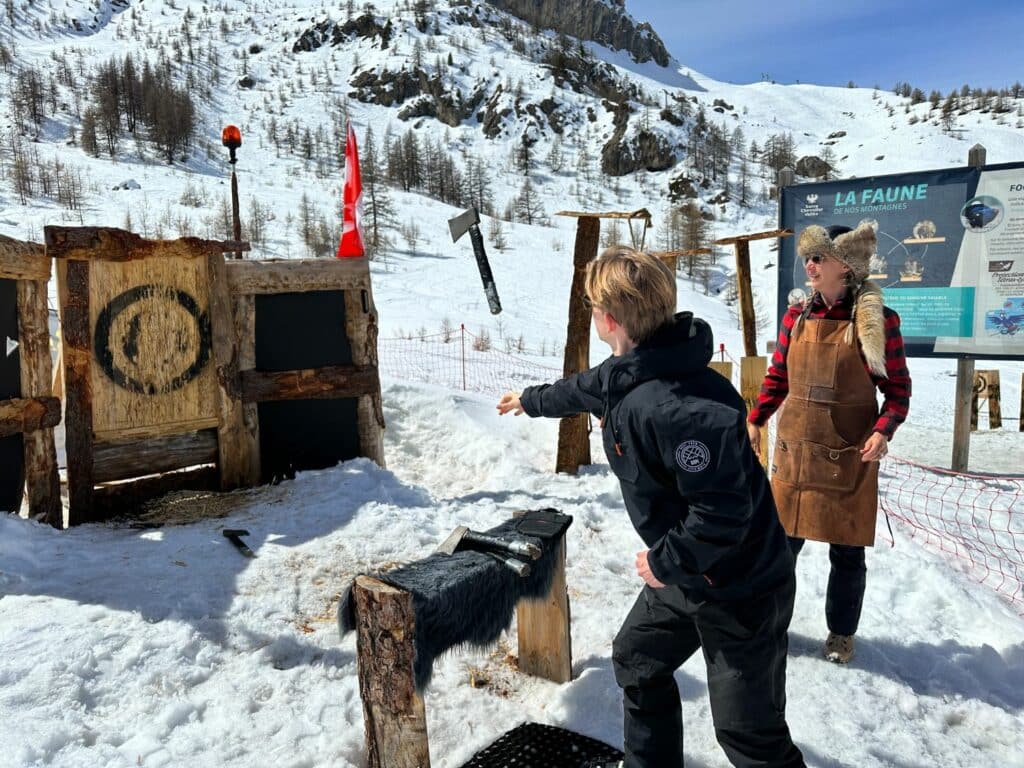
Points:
(464, 599)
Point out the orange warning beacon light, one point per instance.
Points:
(231, 138)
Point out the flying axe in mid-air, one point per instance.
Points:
(469, 221)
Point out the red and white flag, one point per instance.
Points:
(352, 224)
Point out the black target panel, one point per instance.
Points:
(12, 456)
(297, 331)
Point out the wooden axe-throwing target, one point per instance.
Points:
(986, 387)
(150, 366)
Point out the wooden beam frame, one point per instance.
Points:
(742, 245)
(297, 276)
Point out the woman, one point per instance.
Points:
(834, 350)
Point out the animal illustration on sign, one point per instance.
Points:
(152, 339)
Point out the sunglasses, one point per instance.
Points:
(816, 258)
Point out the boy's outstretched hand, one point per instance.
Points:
(510, 402)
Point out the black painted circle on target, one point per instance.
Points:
(125, 301)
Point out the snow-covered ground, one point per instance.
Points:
(127, 647)
(124, 646)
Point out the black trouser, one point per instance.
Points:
(846, 582)
(744, 645)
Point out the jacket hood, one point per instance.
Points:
(676, 350)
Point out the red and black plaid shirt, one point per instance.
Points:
(895, 389)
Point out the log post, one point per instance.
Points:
(244, 307)
(74, 290)
(962, 415)
(573, 431)
(232, 461)
(361, 329)
(964, 375)
(746, 297)
(42, 483)
(543, 625)
(393, 713)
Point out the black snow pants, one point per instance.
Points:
(846, 583)
(744, 645)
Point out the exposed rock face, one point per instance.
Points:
(594, 20)
(644, 150)
(331, 32)
(430, 94)
(812, 166)
(682, 188)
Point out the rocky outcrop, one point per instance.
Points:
(682, 188)
(328, 31)
(602, 21)
(429, 94)
(643, 150)
(812, 167)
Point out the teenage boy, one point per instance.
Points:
(717, 571)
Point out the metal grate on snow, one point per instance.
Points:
(532, 745)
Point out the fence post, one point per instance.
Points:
(463, 326)
(964, 375)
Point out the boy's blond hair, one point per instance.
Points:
(638, 290)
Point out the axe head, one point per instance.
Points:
(451, 545)
(461, 224)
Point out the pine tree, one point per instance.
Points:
(378, 211)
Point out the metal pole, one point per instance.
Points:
(236, 220)
(964, 374)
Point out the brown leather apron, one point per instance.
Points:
(823, 490)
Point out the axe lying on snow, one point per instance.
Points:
(506, 551)
(469, 221)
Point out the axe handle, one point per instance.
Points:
(485, 269)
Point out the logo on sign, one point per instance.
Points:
(1000, 266)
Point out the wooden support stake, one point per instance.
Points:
(573, 432)
(74, 289)
(361, 329)
(752, 371)
(245, 337)
(545, 642)
(962, 415)
(964, 375)
(231, 431)
(393, 713)
(746, 297)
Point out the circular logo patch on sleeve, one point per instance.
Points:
(693, 456)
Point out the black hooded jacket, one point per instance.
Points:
(675, 435)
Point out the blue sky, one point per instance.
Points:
(929, 43)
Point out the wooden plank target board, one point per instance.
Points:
(152, 344)
(148, 346)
